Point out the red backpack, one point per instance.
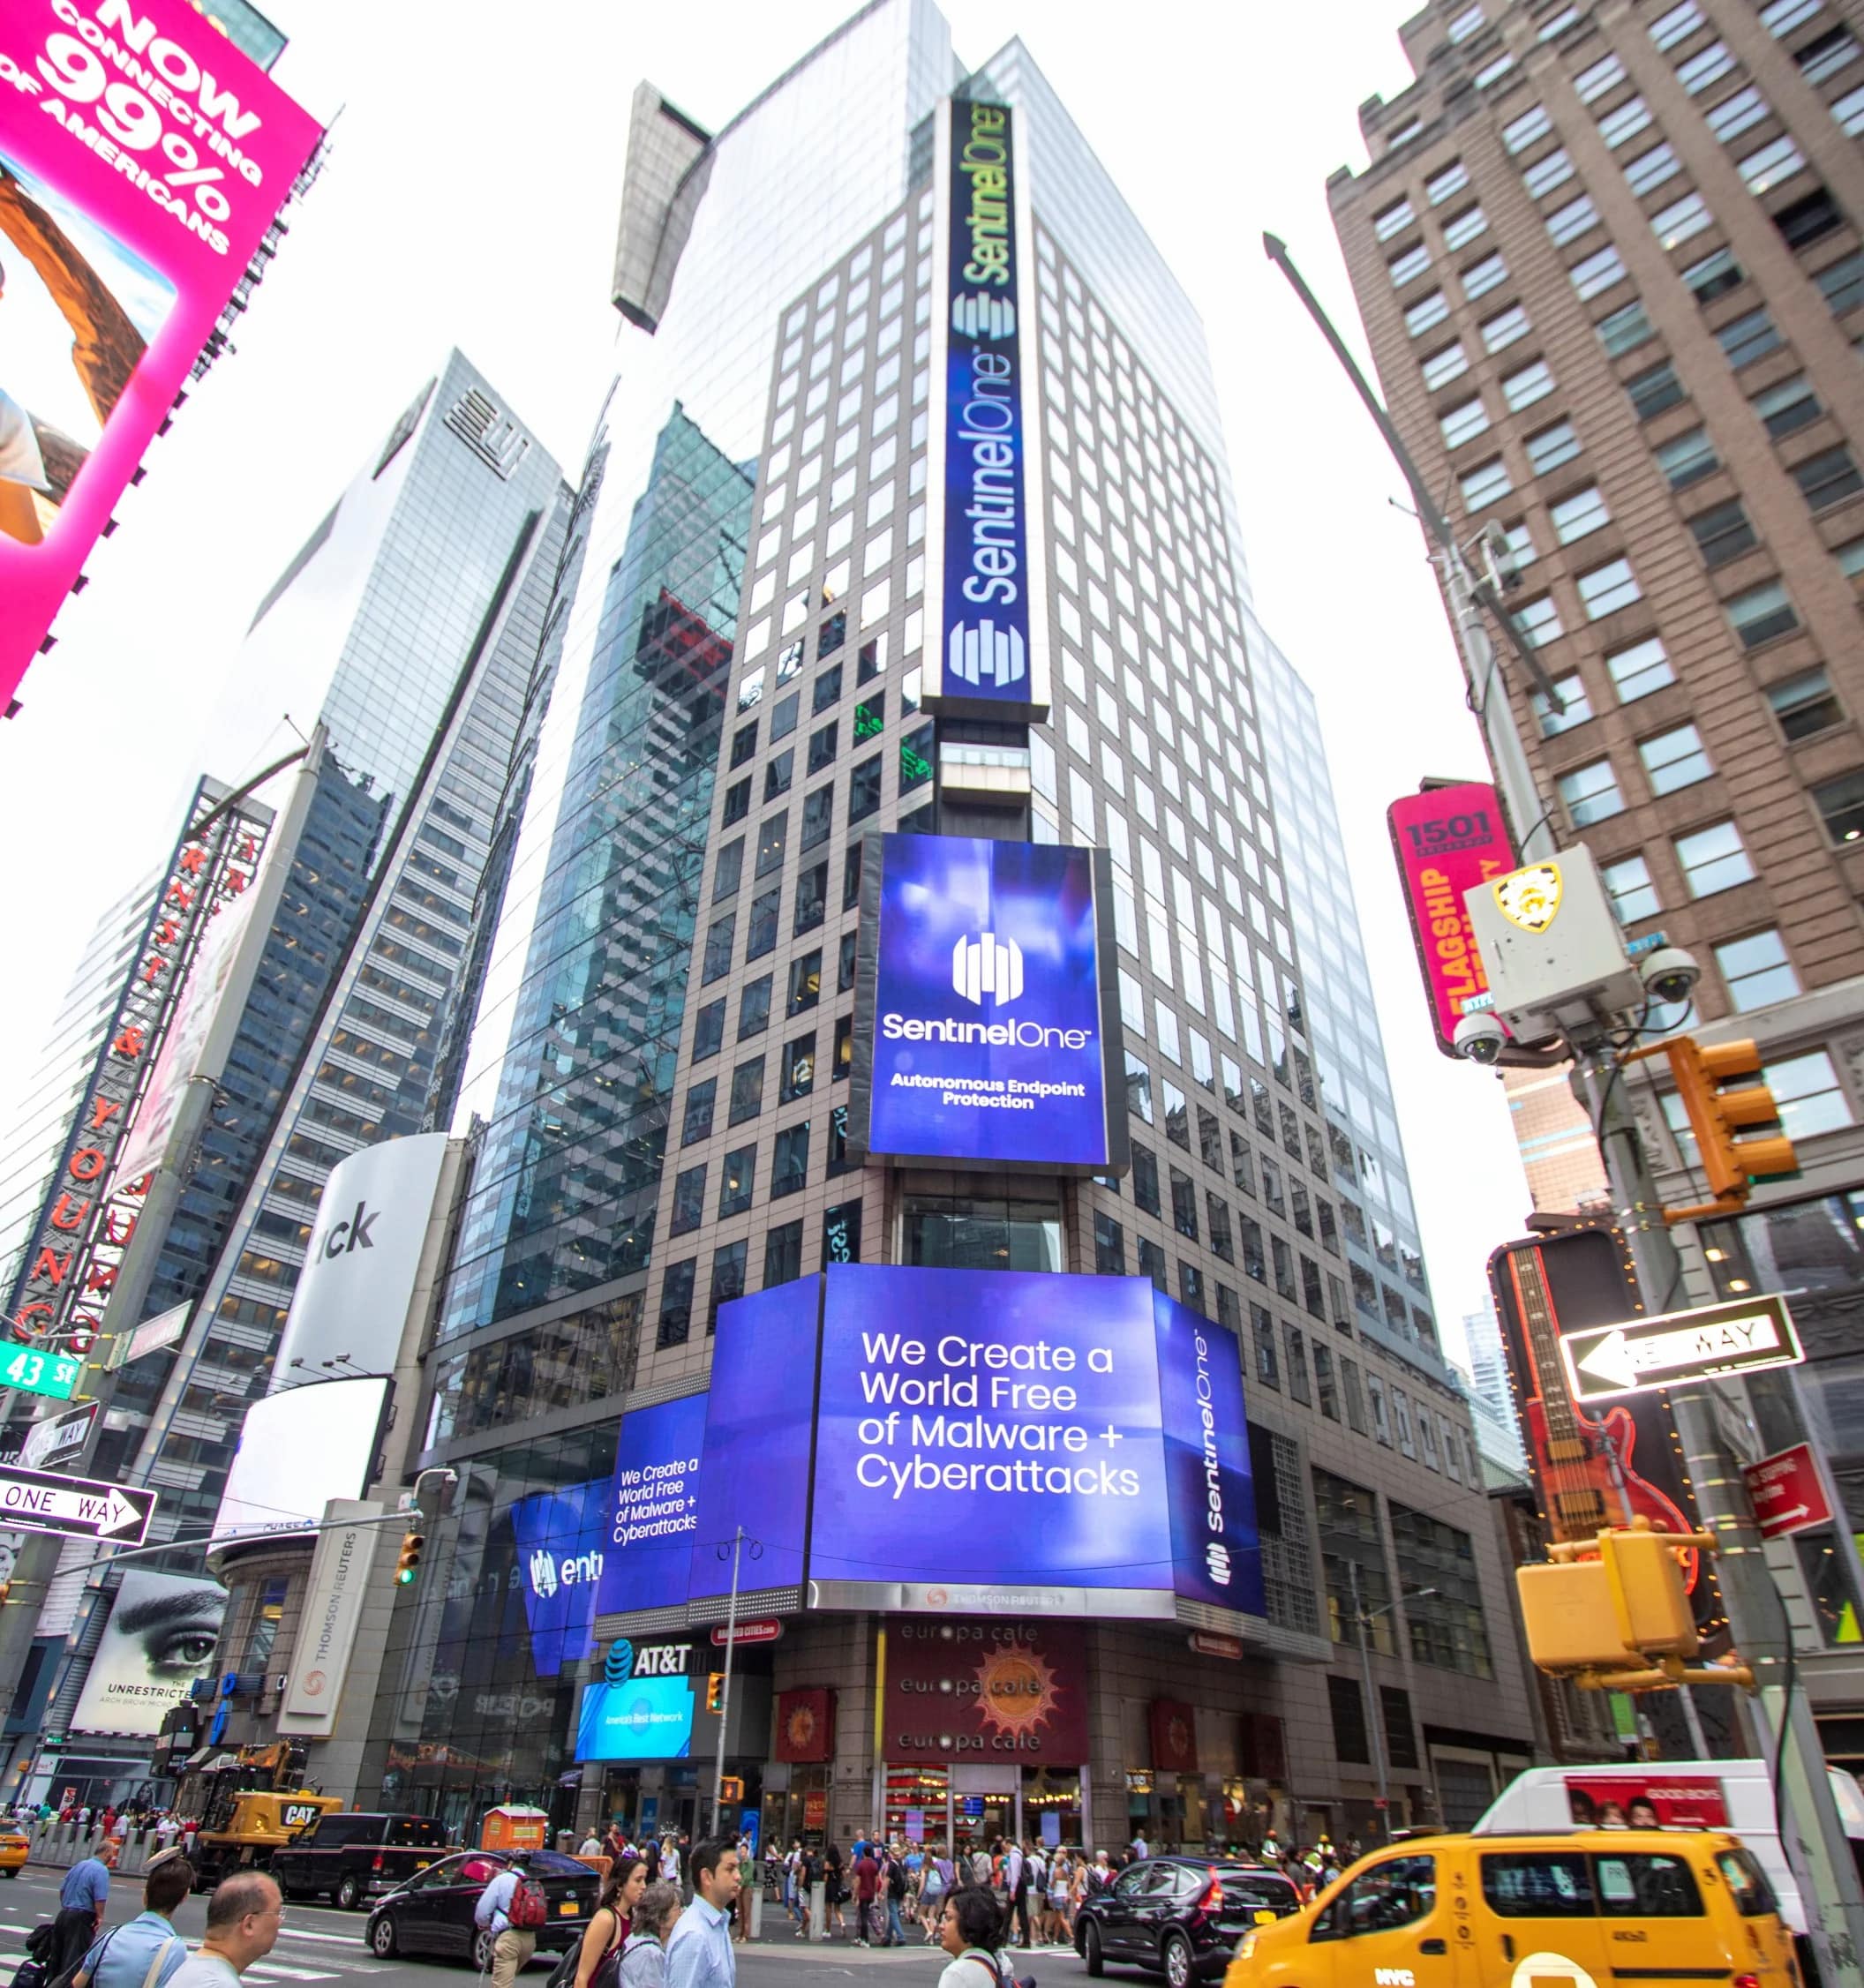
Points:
(530, 1909)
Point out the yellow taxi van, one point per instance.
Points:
(1589, 1909)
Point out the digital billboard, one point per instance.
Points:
(562, 1537)
(142, 159)
(1447, 840)
(985, 1034)
(643, 1718)
(160, 1638)
(652, 1508)
(985, 618)
(300, 1449)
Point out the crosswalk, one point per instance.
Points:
(337, 1956)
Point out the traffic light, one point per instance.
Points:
(731, 1788)
(1622, 1618)
(1718, 1116)
(6, 1589)
(715, 1691)
(407, 1566)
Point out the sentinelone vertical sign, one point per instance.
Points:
(985, 618)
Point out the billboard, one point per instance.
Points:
(977, 1690)
(299, 1449)
(160, 1638)
(986, 650)
(561, 1558)
(985, 1036)
(363, 1261)
(142, 159)
(643, 1718)
(1447, 840)
(334, 1597)
(955, 1442)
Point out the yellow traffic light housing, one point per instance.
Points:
(408, 1565)
(715, 1690)
(1718, 1116)
(1619, 1618)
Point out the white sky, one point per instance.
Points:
(472, 199)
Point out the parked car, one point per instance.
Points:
(1180, 1917)
(14, 1846)
(432, 1912)
(353, 1857)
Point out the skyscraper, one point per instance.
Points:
(667, 1030)
(422, 595)
(1608, 260)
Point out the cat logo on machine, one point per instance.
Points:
(1530, 897)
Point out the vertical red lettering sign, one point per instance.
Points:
(1447, 840)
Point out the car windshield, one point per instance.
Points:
(1258, 1889)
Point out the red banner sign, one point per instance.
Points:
(747, 1632)
(1174, 1735)
(1788, 1496)
(1659, 1801)
(982, 1691)
(805, 1726)
(1446, 841)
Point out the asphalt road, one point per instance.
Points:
(319, 1944)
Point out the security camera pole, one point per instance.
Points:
(1813, 1835)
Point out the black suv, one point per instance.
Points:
(1179, 1916)
(354, 1857)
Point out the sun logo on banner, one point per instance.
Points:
(1530, 897)
(1015, 1691)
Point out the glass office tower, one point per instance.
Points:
(423, 591)
(663, 1048)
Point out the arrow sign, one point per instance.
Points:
(1788, 1493)
(41, 1503)
(1646, 1353)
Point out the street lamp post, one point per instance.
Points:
(1362, 1620)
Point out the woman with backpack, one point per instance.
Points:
(612, 1921)
(934, 1880)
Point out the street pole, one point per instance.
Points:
(724, 1695)
(1374, 1724)
(1818, 1852)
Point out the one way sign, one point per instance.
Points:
(39, 1501)
(1604, 1360)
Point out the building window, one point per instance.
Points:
(1624, 330)
(1706, 66)
(790, 1161)
(1463, 422)
(841, 1234)
(716, 962)
(1521, 132)
(1805, 1088)
(1504, 328)
(699, 1101)
(1555, 170)
(747, 1091)
(864, 788)
(1464, 25)
(1428, 311)
(1597, 272)
(1568, 223)
(1757, 970)
(1674, 758)
(754, 1009)
(1649, 170)
(1633, 895)
(1144, 1180)
(1827, 477)
(688, 1210)
(1443, 1597)
(1688, 459)
(1532, 383)
(796, 1077)
(736, 1180)
(709, 1030)
(1184, 1205)
(1487, 484)
(1552, 446)
(915, 759)
(761, 935)
(1589, 793)
(1295, 1352)
(1493, 70)
(805, 982)
(1442, 367)
(1805, 704)
(1392, 219)
(1580, 515)
(1766, 168)
(676, 1303)
(823, 747)
(727, 869)
(1723, 533)
(1713, 859)
(1840, 804)
(1781, 16)
(1109, 1247)
(1760, 613)
(1639, 669)
(1607, 587)
(1407, 267)
(1849, 112)
(1460, 230)
(783, 1253)
(1675, 224)
(1573, 695)
(1152, 1265)
(1346, 1708)
(1716, 274)
(728, 1264)
(1677, 25)
(1593, 81)
(1809, 219)
(1786, 406)
(1618, 127)
(1748, 338)
(1539, 621)
(1655, 389)
(1482, 277)
(1825, 55)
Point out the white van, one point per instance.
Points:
(1734, 1795)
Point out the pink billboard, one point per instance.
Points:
(1447, 840)
(142, 158)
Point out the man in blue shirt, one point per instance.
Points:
(81, 1899)
(124, 1955)
(699, 1950)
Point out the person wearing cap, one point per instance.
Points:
(145, 1952)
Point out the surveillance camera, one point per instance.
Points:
(1504, 570)
(1481, 1038)
(1669, 974)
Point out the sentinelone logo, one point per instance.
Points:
(548, 1573)
(1216, 1554)
(987, 965)
(981, 965)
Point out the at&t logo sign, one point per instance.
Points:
(987, 965)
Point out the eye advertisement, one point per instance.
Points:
(161, 1637)
(142, 158)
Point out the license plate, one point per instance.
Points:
(569, 1908)
(1265, 1918)
(424, 1863)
